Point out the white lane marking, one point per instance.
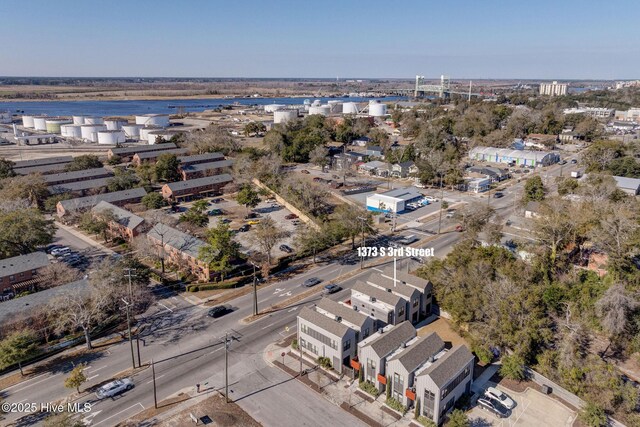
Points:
(171, 311)
(94, 370)
(293, 309)
(118, 413)
(92, 377)
(157, 378)
(286, 294)
(377, 269)
(37, 382)
(217, 349)
(26, 381)
(278, 290)
(87, 420)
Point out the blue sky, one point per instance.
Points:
(537, 39)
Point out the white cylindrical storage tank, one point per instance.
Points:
(27, 121)
(40, 122)
(71, 131)
(161, 120)
(349, 108)
(112, 137)
(284, 116)
(93, 121)
(131, 131)
(53, 124)
(114, 124)
(273, 107)
(78, 120)
(378, 110)
(90, 132)
(316, 103)
(323, 110)
(144, 132)
(162, 133)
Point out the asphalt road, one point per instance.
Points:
(187, 347)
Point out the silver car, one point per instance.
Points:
(114, 388)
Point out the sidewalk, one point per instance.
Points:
(478, 385)
(340, 390)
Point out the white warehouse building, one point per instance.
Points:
(393, 200)
(516, 157)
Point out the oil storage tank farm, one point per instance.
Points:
(71, 131)
(132, 131)
(115, 123)
(160, 120)
(283, 116)
(271, 108)
(349, 108)
(111, 137)
(40, 122)
(377, 109)
(78, 120)
(143, 134)
(323, 110)
(93, 121)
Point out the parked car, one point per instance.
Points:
(253, 222)
(295, 222)
(218, 311)
(331, 288)
(244, 228)
(311, 282)
(449, 215)
(114, 388)
(251, 215)
(291, 216)
(285, 248)
(304, 171)
(563, 162)
(526, 171)
(59, 251)
(495, 394)
(459, 228)
(224, 220)
(574, 161)
(51, 248)
(431, 199)
(215, 212)
(493, 406)
(218, 200)
(498, 195)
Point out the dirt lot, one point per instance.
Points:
(533, 409)
(444, 329)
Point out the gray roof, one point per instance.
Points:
(443, 369)
(41, 162)
(409, 279)
(406, 193)
(199, 182)
(510, 153)
(43, 169)
(323, 322)
(155, 154)
(134, 149)
(16, 306)
(75, 175)
(203, 167)
(377, 293)
(200, 157)
(22, 263)
(123, 216)
(91, 201)
(627, 183)
(341, 310)
(399, 289)
(79, 185)
(183, 242)
(385, 343)
(419, 352)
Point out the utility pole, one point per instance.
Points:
(255, 291)
(133, 359)
(300, 349)
(138, 348)
(441, 202)
(128, 274)
(362, 219)
(226, 368)
(155, 396)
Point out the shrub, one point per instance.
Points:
(395, 404)
(484, 354)
(294, 344)
(388, 388)
(325, 362)
(457, 418)
(369, 388)
(426, 422)
(594, 416)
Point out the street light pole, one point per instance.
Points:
(255, 291)
(155, 396)
(226, 368)
(441, 202)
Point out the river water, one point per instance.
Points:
(156, 106)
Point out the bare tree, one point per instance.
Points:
(57, 274)
(554, 226)
(614, 310)
(268, 234)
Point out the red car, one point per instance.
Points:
(291, 216)
(459, 228)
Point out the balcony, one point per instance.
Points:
(355, 364)
(382, 379)
(411, 395)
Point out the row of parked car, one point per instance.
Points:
(497, 402)
(66, 255)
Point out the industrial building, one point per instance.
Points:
(591, 111)
(553, 89)
(514, 157)
(393, 200)
(628, 185)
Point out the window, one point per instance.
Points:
(33, 272)
(416, 302)
(371, 370)
(401, 312)
(398, 387)
(318, 336)
(428, 404)
(456, 381)
(12, 278)
(366, 333)
(346, 345)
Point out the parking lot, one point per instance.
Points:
(234, 215)
(533, 409)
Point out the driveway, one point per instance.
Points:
(533, 409)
